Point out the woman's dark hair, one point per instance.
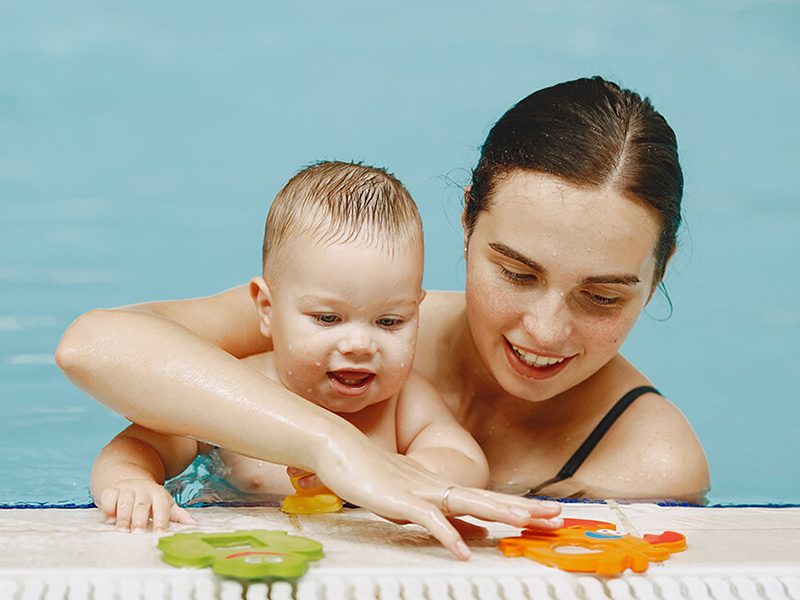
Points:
(588, 132)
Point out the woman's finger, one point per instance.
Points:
(467, 530)
(496, 507)
(440, 528)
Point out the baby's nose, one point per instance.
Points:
(358, 342)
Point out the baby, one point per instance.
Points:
(339, 299)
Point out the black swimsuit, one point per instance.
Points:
(581, 454)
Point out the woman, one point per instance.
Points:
(570, 221)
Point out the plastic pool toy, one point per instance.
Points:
(312, 501)
(247, 554)
(588, 546)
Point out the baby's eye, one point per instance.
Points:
(389, 322)
(515, 277)
(326, 318)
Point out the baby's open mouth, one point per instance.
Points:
(351, 382)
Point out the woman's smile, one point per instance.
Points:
(534, 366)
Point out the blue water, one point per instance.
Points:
(140, 144)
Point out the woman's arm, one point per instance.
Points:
(171, 367)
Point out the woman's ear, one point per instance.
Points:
(464, 217)
(262, 298)
(663, 274)
(467, 189)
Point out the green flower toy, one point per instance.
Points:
(251, 554)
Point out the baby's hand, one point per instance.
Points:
(133, 502)
(305, 479)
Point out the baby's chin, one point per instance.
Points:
(348, 405)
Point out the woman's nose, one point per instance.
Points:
(548, 321)
(357, 341)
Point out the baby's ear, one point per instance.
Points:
(262, 298)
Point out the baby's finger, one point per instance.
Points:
(124, 509)
(309, 482)
(108, 503)
(161, 511)
(181, 515)
(141, 512)
(296, 472)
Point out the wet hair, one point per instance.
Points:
(335, 202)
(590, 133)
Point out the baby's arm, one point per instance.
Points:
(128, 475)
(429, 433)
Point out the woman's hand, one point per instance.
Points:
(133, 502)
(399, 489)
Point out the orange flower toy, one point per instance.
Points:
(589, 546)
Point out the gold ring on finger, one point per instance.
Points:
(445, 497)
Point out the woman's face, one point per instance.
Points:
(556, 278)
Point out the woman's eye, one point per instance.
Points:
(326, 318)
(515, 277)
(389, 322)
(600, 300)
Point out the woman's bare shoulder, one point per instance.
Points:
(650, 452)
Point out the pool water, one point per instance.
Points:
(140, 146)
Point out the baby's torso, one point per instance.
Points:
(378, 422)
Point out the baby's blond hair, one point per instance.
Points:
(336, 201)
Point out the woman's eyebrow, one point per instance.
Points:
(514, 255)
(623, 279)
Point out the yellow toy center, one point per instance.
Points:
(313, 501)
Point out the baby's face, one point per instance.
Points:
(344, 320)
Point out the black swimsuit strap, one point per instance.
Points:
(581, 454)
